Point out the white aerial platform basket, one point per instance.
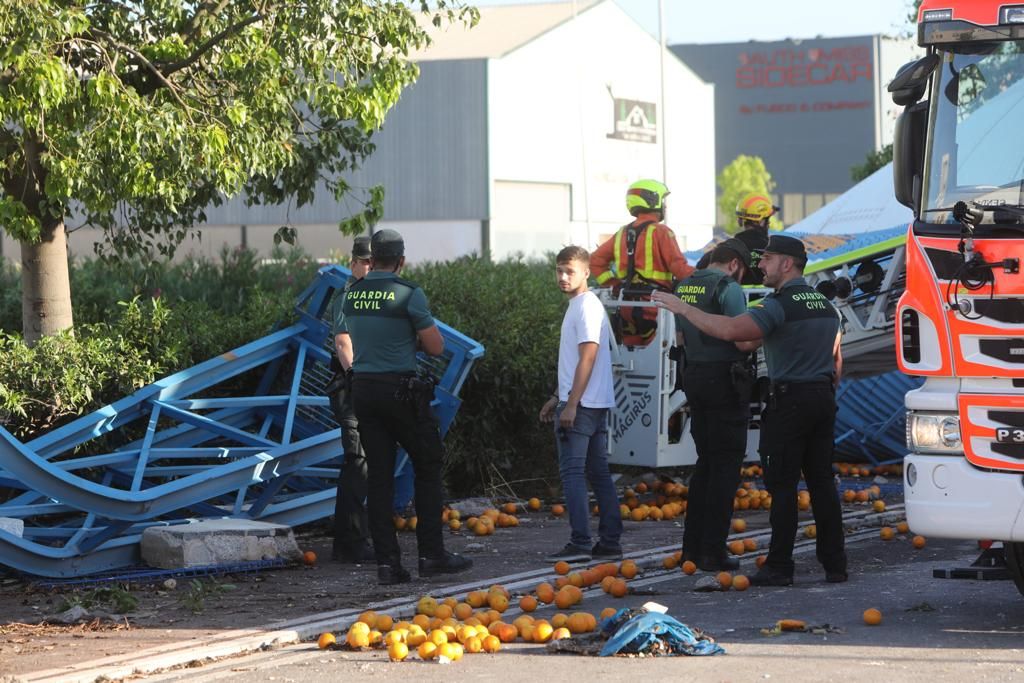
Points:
(650, 423)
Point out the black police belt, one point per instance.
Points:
(784, 388)
(384, 377)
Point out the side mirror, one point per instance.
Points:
(911, 81)
(908, 155)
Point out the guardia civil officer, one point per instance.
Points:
(386, 318)
(800, 331)
(718, 386)
(351, 528)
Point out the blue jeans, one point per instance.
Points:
(582, 458)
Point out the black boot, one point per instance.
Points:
(390, 574)
(360, 554)
(448, 563)
(717, 563)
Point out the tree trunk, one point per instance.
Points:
(45, 285)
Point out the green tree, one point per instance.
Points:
(744, 174)
(872, 162)
(134, 115)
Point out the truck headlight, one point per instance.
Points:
(933, 433)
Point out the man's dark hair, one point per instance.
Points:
(385, 262)
(573, 253)
(723, 254)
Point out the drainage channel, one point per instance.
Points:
(288, 634)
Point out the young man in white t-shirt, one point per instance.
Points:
(580, 413)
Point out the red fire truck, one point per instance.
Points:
(959, 164)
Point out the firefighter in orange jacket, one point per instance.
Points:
(642, 255)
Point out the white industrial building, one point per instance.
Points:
(521, 135)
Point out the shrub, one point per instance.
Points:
(515, 310)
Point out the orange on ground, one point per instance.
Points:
(534, 504)
(739, 525)
(557, 510)
(545, 593)
(473, 645)
(607, 612)
(463, 611)
(509, 508)
(879, 506)
(561, 633)
(562, 567)
(443, 611)
(357, 638)
(886, 533)
(559, 620)
(619, 588)
(689, 567)
(542, 632)
(872, 617)
(810, 531)
(736, 547)
(507, 633)
(903, 527)
(919, 542)
(670, 562)
(740, 582)
(528, 603)
(309, 558)
(606, 583)
(724, 580)
(398, 651)
(760, 561)
(491, 644)
(749, 544)
(575, 579)
(497, 601)
(628, 569)
(325, 640)
(427, 650)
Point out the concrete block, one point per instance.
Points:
(217, 542)
(15, 527)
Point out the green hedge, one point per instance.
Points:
(136, 323)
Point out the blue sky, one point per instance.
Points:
(727, 21)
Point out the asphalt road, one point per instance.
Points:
(932, 629)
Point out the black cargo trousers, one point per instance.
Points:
(351, 530)
(387, 419)
(718, 424)
(797, 436)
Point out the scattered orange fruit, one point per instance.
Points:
(427, 650)
(557, 510)
(560, 633)
(749, 544)
(528, 603)
(879, 506)
(325, 640)
(903, 527)
(309, 558)
(810, 531)
(534, 504)
(628, 569)
(562, 567)
(619, 588)
(607, 612)
(491, 644)
(760, 561)
(357, 638)
(398, 651)
(546, 593)
(670, 562)
(689, 567)
(872, 617)
(919, 542)
(724, 580)
(736, 547)
(886, 533)
(740, 582)
(739, 525)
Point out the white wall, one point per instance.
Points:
(551, 110)
(892, 54)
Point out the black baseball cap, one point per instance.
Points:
(784, 245)
(739, 248)
(361, 247)
(387, 244)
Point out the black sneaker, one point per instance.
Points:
(449, 563)
(770, 577)
(603, 552)
(389, 575)
(361, 554)
(570, 553)
(721, 563)
(836, 577)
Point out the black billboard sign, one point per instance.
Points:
(635, 121)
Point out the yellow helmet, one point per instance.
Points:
(755, 206)
(646, 195)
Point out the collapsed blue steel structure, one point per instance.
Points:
(189, 447)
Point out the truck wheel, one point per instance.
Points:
(1014, 553)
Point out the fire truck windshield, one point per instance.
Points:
(975, 148)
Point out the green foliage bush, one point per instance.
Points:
(137, 322)
(513, 308)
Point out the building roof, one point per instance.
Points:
(501, 29)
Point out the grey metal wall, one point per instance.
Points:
(431, 156)
(808, 108)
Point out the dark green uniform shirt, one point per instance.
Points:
(337, 304)
(712, 291)
(799, 327)
(382, 313)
